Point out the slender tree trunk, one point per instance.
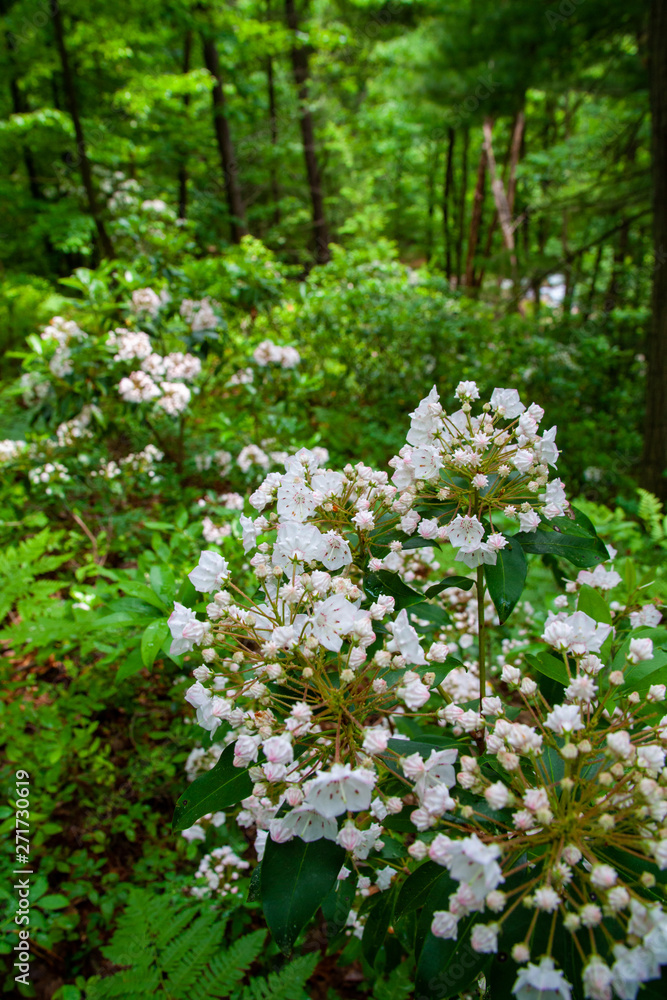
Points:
(594, 277)
(654, 461)
(273, 119)
(183, 169)
(446, 196)
(616, 279)
(431, 203)
(476, 220)
(20, 105)
(106, 246)
(300, 69)
(462, 208)
(503, 210)
(223, 135)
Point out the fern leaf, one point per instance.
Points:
(650, 511)
(396, 987)
(286, 984)
(229, 967)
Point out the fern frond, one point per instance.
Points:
(286, 984)
(396, 987)
(650, 511)
(229, 968)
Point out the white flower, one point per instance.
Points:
(648, 614)
(309, 824)
(278, 750)
(469, 861)
(545, 447)
(334, 792)
(376, 740)
(507, 403)
(296, 542)
(405, 639)
(186, 630)
(146, 300)
(529, 521)
(497, 795)
(465, 533)
(484, 938)
(564, 719)
(207, 576)
(296, 502)
(331, 619)
(413, 692)
(444, 924)
(175, 397)
(640, 649)
(138, 388)
(633, 966)
(597, 977)
(542, 982)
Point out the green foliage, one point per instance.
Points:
(172, 946)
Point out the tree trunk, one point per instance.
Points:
(594, 277)
(462, 207)
(446, 196)
(476, 219)
(273, 120)
(654, 462)
(223, 135)
(106, 246)
(183, 169)
(300, 69)
(431, 203)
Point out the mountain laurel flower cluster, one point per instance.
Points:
(520, 809)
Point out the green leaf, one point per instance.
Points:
(593, 605)
(377, 924)
(447, 968)
(575, 540)
(296, 878)
(507, 578)
(221, 787)
(153, 637)
(391, 584)
(462, 582)
(550, 666)
(417, 886)
(131, 666)
(163, 583)
(338, 904)
(137, 589)
(55, 901)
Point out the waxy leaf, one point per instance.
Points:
(152, 639)
(575, 540)
(507, 579)
(593, 605)
(462, 582)
(392, 585)
(377, 925)
(296, 878)
(550, 666)
(447, 968)
(221, 787)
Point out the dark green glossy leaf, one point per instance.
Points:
(447, 968)
(377, 924)
(574, 540)
(391, 584)
(462, 582)
(507, 579)
(296, 878)
(221, 787)
(550, 666)
(417, 886)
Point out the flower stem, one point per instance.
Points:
(481, 634)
